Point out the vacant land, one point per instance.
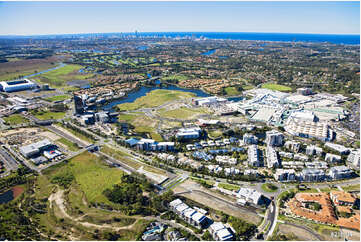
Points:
(70, 145)
(351, 188)
(93, 176)
(276, 87)
(60, 76)
(15, 69)
(227, 186)
(50, 115)
(154, 99)
(142, 124)
(232, 91)
(182, 113)
(15, 119)
(57, 98)
(121, 156)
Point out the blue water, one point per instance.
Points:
(6, 196)
(42, 72)
(143, 47)
(209, 52)
(142, 91)
(284, 37)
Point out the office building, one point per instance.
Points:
(188, 133)
(79, 104)
(35, 148)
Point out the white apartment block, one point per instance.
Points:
(274, 138)
(253, 156)
(272, 157)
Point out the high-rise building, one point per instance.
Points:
(274, 138)
(79, 104)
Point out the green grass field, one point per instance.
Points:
(214, 133)
(93, 176)
(351, 188)
(176, 77)
(70, 145)
(227, 186)
(276, 87)
(59, 77)
(124, 157)
(154, 99)
(50, 115)
(58, 98)
(77, 134)
(267, 187)
(142, 124)
(182, 113)
(15, 119)
(232, 91)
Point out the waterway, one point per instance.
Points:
(142, 91)
(42, 72)
(209, 52)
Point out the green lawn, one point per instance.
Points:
(58, 98)
(227, 186)
(154, 99)
(276, 87)
(181, 113)
(50, 115)
(232, 91)
(71, 146)
(269, 187)
(15, 119)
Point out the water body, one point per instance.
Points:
(349, 39)
(209, 52)
(143, 47)
(42, 72)
(6, 197)
(142, 91)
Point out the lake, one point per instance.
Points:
(209, 52)
(6, 196)
(142, 91)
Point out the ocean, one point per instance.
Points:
(348, 39)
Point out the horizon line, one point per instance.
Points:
(139, 32)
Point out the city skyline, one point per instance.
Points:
(45, 18)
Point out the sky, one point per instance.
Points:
(30, 18)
